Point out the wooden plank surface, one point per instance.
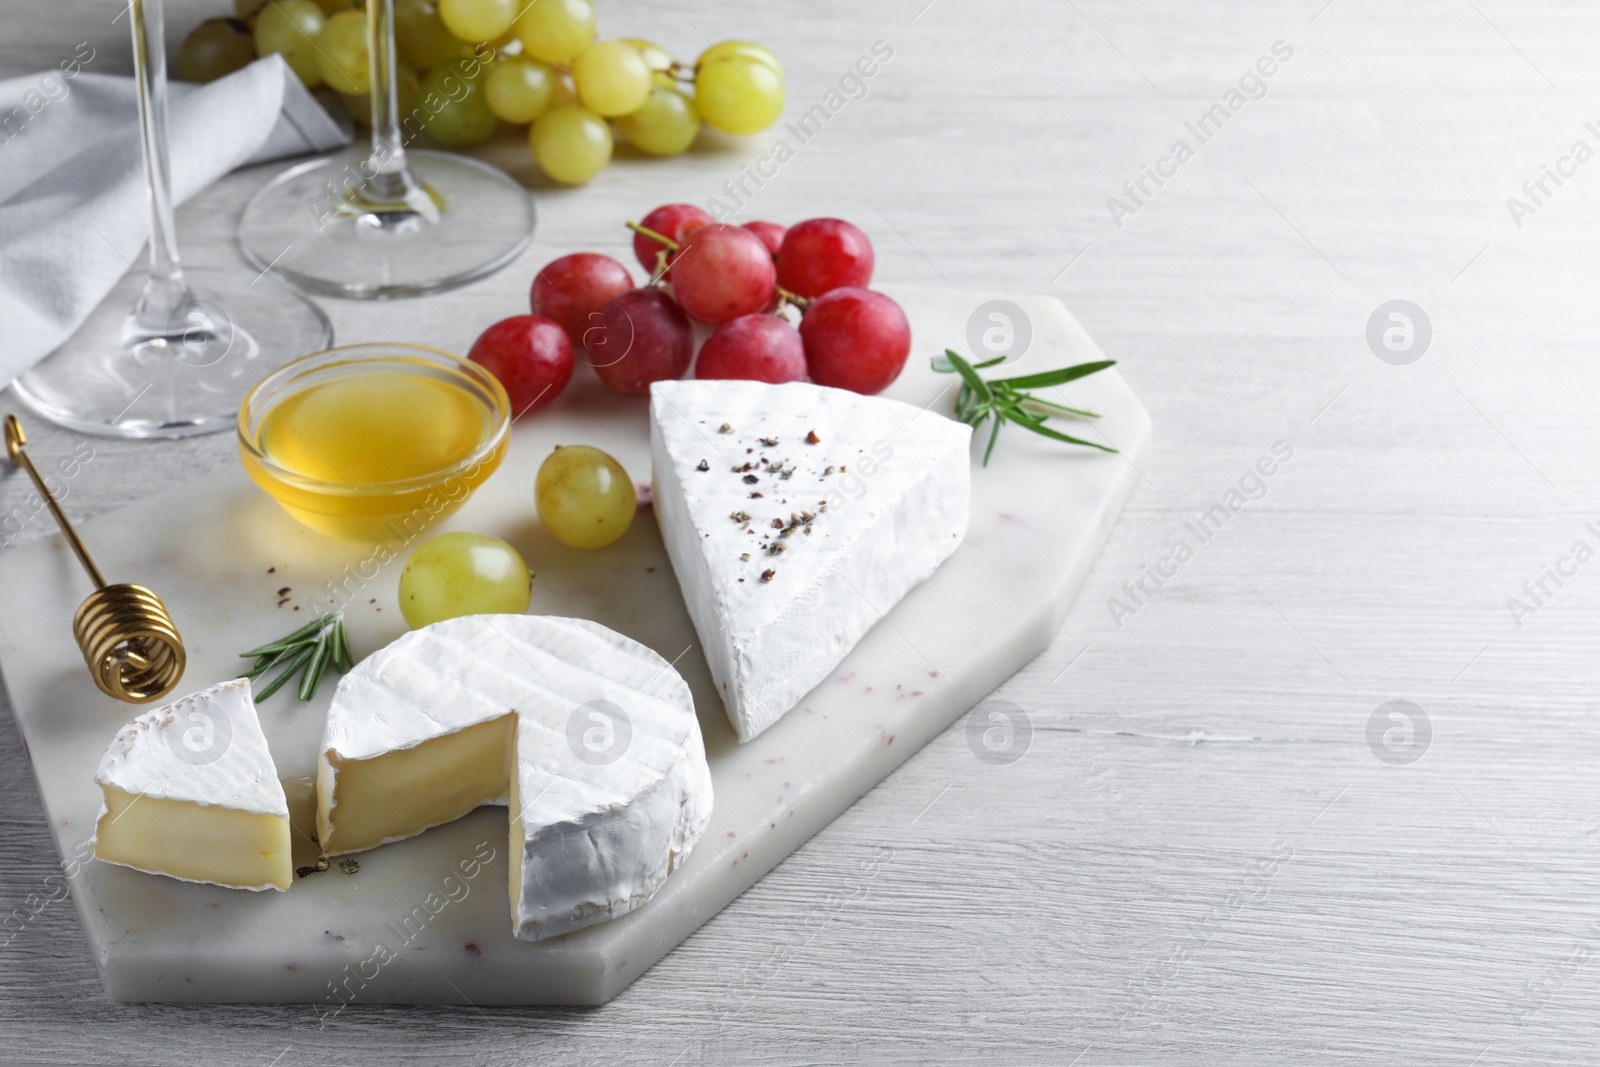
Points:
(1201, 857)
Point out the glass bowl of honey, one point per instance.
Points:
(374, 442)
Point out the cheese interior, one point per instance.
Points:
(403, 792)
(195, 842)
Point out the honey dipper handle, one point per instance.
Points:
(15, 439)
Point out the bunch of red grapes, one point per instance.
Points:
(741, 281)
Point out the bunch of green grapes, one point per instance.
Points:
(469, 65)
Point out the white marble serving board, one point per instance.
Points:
(218, 550)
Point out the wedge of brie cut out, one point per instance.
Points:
(796, 516)
(191, 792)
(588, 736)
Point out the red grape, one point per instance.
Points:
(669, 220)
(855, 339)
(723, 272)
(641, 337)
(531, 356)
(572, 290)
(761, 348)
(771, 234)
(820, 255)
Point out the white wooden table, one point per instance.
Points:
(1202, 856)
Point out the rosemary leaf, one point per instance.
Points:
(314, 670)
(305, 632)
(1005, 399)
(979, 387)
(943, 364)
(994, 435)
(1040, 428)
(963, 402)
(287, 673)
(266, 663)
(1030, 402)
(1013, 409)
(266, 651)
(343, 660)
(1045, 379)
(309, 649)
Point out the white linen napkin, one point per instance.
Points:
(73, 209)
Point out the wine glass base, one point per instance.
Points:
(310, 227)
(120, 376)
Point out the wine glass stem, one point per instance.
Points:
(165, 289)
(387, 169)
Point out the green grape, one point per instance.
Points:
(463, 574)
(290, 28)
(333, 7)
(739, 95)
(214, 48)
(408, 91)
(556, 31)
(455, 109)
(664, 126)
(585, 498)
(565, 95)
(725, 50)
(611, 78)
(520, 89)
(571, 144)
(478, 20)
(658, 59)
(342, 53)
(421, 38)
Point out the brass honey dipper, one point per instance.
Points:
(126, 636)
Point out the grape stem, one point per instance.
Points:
(795, 299)
(662, 264)
(661, 238)
(663, 260)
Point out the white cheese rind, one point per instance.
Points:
(591, 839)
(205, 751)
(205, 748)
(894, 507)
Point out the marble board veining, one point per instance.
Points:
(426, 920)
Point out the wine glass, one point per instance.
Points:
(197, 338)
(386, 222)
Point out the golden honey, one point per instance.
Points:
(374, 442)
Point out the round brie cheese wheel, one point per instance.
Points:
(588, 737)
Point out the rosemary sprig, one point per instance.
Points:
(314, 646)
(1006, 399)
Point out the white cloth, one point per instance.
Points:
(73, 208)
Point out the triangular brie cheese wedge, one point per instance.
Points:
(797, 516)
(191, 792)
(588, 736)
